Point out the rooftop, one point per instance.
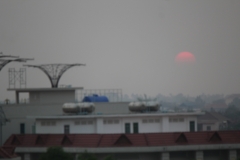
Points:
(125, 140)
(101, 115)
(44, 89)
(7, 152)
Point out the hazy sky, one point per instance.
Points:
(126, 44)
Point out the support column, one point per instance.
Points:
(165, 124)
(232, 155)
(27, 156)
(99, 126)
(199, 155)
(17, 97)
(76, 157)
(165, 156)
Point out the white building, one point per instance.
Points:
(212, 121)
(45, 107)
(109, 129)
(117, 123)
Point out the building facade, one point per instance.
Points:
(110, 129)
(119, 123)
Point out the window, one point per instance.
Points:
(116, 121)
(192, 126)
(90, 122)
(151, 121)
(127, 128)
(181, 119)
(83, 122)
(176, 120)
(66, 129)
(22, 128)
(208, 128)
(77, 122)
(110, 121)
(43, 123)
(48, 123)
(135, 127)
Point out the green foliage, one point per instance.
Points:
(109, 157)
(232, 112)
(87, 156)
(235, 102)
(199, 102)
(90, 156)
(56, 153)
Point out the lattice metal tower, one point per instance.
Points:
(54, 71)
(17, 76)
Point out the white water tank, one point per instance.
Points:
(144, 106)
(78, 107)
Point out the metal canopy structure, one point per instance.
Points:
(54, 71)
(5, 59)
(3, 56)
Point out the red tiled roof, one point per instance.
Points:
(7, 152)
(120, 140)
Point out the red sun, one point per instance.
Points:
(185, 57)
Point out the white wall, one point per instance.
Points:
(17, 114)
(113, 127)
(178, 126)
(182, 126)
(75, 125)
(165, 124)
(57, 128)
(51, 97)
(150, 124)
(120, 127)
(83, 126)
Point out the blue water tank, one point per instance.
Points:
(95, 98)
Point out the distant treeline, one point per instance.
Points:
(178, 98)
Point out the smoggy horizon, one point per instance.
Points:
(128, 45)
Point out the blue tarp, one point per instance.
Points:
(95, 98)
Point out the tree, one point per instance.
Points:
(236, 102)
(87, 156)
(90, 156)
(232, 112)
(109, 157)
(199, 102)
(56, 153)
